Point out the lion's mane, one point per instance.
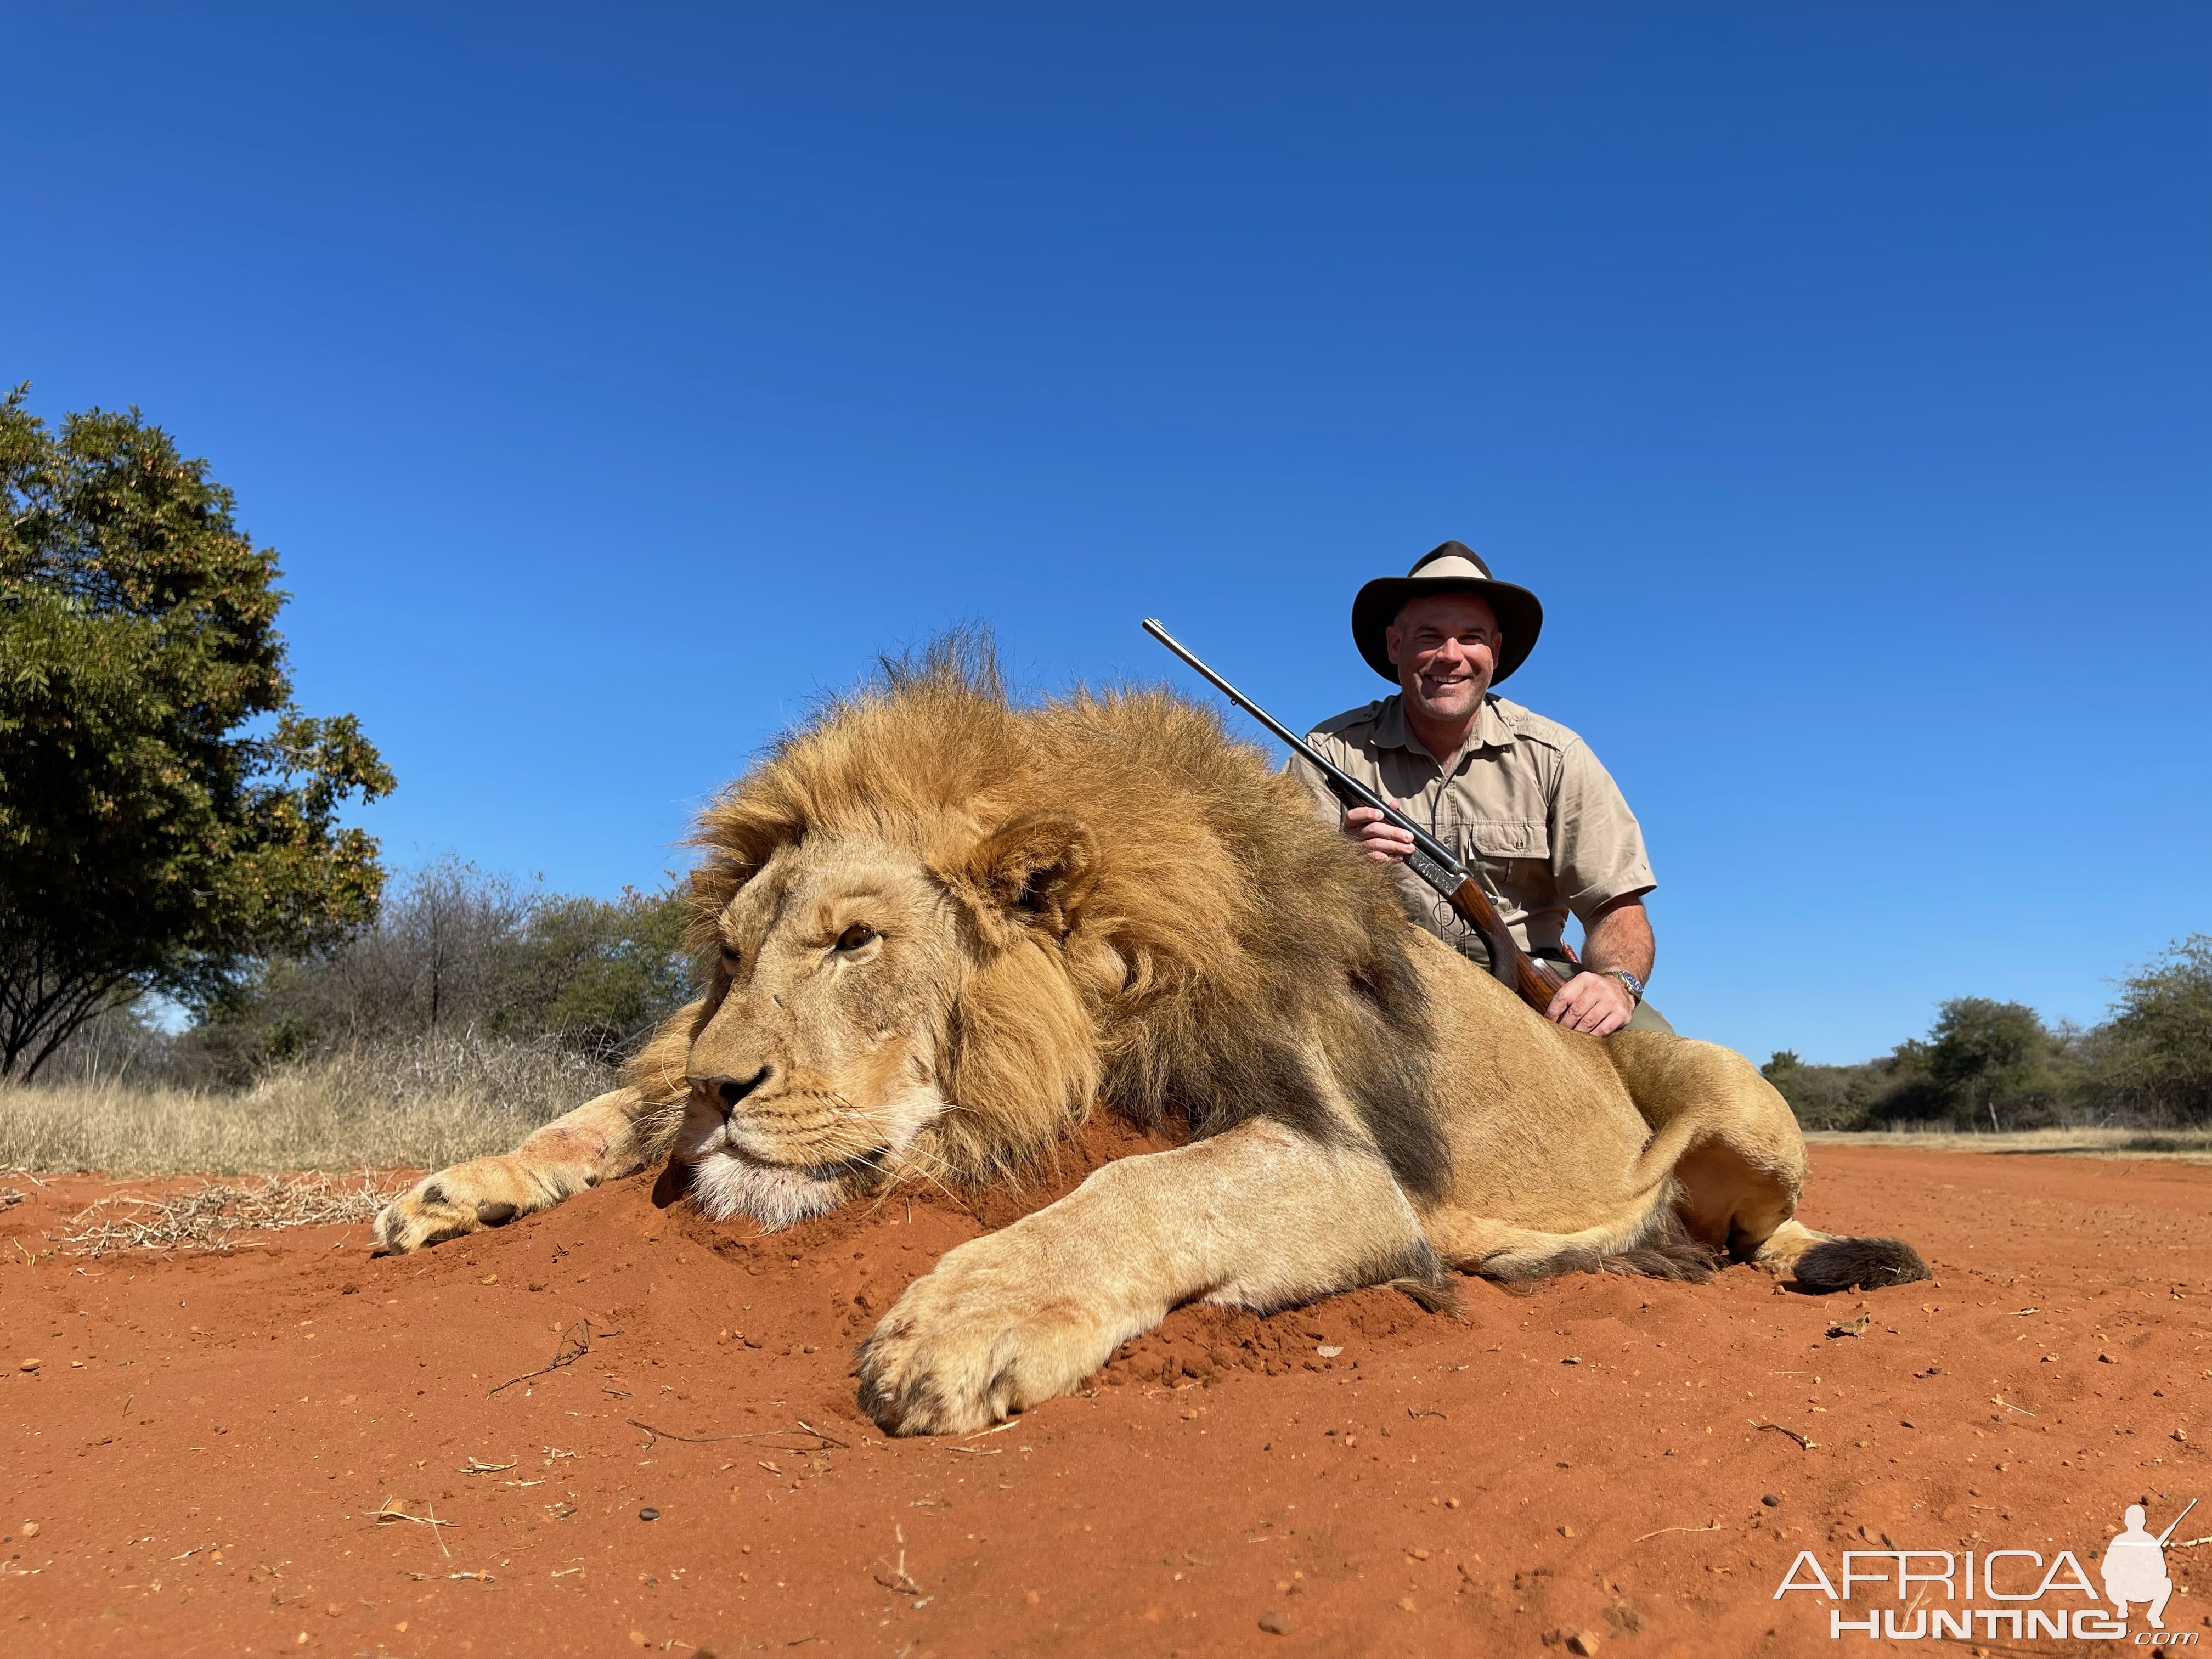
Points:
(1227, 942)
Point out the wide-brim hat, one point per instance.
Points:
(1452, 568)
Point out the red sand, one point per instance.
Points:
(207, 1439)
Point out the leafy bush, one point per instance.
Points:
(454, 949)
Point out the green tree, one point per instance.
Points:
(1980, 1049)
(601, 973)
(167, 813)
(2156, 1050)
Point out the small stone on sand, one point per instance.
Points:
(1275, 1624)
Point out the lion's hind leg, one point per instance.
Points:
(1737, 1160)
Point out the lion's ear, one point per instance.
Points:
(1034, 872)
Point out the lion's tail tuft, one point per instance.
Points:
(1823, 1262)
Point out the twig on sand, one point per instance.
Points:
(1715, 1526)
(390, 1512)
(1807, 1445)
(477, 1466)
(2191, 1543)
(574, 1346)
(830, 1442)
(691, 1439)
(977, 1451)
(900, 1580)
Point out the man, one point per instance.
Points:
(1520, 798)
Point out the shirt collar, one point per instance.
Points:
(1391, 731)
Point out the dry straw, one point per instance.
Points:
(420, 1105)
(210, 1216)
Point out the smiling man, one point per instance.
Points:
(1520, 798)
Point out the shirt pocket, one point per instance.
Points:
(1512, 855)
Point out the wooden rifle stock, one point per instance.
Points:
(1535, 984)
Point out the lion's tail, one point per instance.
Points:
(1827, 1261)
(1645, 1238)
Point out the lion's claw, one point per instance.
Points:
(453, 1202)
(974, 1341)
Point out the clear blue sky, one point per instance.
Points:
(612, 380)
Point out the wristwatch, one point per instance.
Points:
(1635, 985)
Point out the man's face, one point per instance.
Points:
(1445, 647)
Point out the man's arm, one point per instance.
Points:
(1618, 935)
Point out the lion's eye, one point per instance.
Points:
(855, 936)
(729, 957)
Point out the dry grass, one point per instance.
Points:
(207, 1218)
(421, 1104)
(2178, 1145)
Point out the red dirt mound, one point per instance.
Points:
(613, 1428)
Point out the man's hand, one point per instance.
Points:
(1596, 1003)
(1380, 839)
(1618, 935)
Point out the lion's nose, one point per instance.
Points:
(727, 1091)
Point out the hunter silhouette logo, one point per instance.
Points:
(1936, 1590)
(2134, 1566)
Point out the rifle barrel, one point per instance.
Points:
(1347, 787)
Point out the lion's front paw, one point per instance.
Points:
(984, 1336)
(485, 1192)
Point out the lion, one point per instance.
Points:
(943, 925)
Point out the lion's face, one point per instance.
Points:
(817, 1068)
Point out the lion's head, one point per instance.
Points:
(940, 924)
(850, 978)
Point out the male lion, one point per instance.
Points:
(945, 925)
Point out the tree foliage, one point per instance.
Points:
(2157, 1049)
(167, 814)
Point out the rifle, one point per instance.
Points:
(1535, 983)
(2178, 1520)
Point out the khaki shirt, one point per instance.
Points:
(1525, 806)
